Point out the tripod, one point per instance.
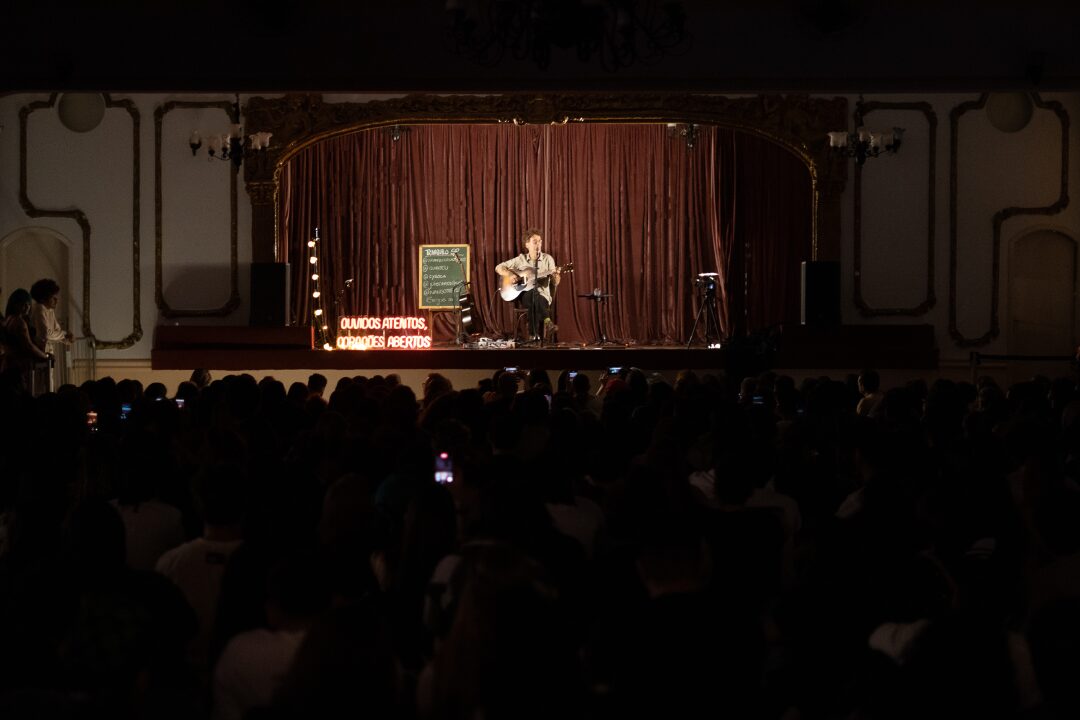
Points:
(706, 283)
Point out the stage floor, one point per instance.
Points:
(449, 357)
(289, 348)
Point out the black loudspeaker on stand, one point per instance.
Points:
(269, 294)
(820, 293)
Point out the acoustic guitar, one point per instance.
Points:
(469, 324)
(466, 307)
(528, 280)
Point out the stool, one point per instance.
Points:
(520, 322)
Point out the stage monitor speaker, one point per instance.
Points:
(820, 293)
(269, 294)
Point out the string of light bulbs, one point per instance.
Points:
(318, 310)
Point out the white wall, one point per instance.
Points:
(93, 172)
(996, 170)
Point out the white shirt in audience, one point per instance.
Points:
(582, 520)
(151, 529)
(196, 567)
(250, 670)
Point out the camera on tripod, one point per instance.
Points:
(706, 282)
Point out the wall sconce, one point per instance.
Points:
(864, 143)
(231, 145)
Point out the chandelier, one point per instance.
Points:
(865, 143)
(620, 32)
(231, 145)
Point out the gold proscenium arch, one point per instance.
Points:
(797, 123)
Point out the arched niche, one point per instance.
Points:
(31, 253)
(798, 123)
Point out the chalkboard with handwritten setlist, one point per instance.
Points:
(443, 271)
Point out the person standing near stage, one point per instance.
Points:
(45, 329)
(537, 300)
(18, 353)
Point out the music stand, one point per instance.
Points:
(706, 284)
(597, 297)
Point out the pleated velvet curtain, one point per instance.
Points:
(637, 211)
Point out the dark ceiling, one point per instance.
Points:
(402, 46)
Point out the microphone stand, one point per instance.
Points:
(337, 300)
(341, 292)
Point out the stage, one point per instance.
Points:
(788, 346)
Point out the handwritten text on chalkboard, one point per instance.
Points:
(443, 272)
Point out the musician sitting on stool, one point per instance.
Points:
(533, 263)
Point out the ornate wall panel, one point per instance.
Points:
(234, 283)
(79, 217)
(999, 217)
(930, 299)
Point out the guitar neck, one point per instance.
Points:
(561, 268)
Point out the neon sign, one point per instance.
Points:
(394, 332)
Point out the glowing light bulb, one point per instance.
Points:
(318, 312)
(313, 260)
(327, 346)
(315, 276)
(311, 243)
(316, 294)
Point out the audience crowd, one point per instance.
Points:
(709, 547)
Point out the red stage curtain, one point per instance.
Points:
(638, 211)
